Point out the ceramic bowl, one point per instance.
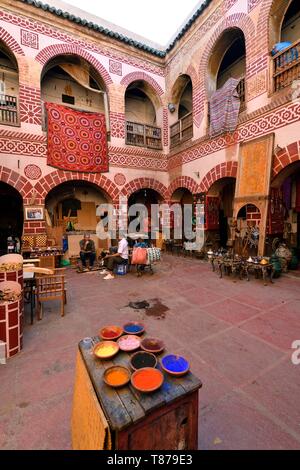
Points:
(110, 333)
(100, 349)
(134, 325)
(143, 359)
(152, 345)
(129, 343)
(110, 370)
(175, 365)
(148, 372)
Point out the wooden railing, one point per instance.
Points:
(182, 130)
(286, 66)
(143, 135)
(9, 110)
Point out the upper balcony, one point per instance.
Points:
(286, 66)
(182, 130)
(9, 114)
(143, 135)
(141, 105)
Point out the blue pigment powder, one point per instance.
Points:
(175, 363)
(133, 328)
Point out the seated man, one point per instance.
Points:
(120, 257)
(87, 251)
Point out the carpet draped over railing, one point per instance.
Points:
(76, 140)
(224, 108)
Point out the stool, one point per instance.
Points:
(121, 269)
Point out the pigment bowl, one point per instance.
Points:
(147, 380)
(152, 345)
(106, 349)
(116, 376)
(129, 343)
(134, 328)
(111, 332)
(175, 365)
(142, 359)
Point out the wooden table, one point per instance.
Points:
(266, 270)
(164, 420)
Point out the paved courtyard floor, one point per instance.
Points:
(237, 335)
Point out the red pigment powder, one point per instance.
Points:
(147, 379)
(110, 334)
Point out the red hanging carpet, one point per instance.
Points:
(76, 140)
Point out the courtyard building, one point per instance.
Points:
(95, 120)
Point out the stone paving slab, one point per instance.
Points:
(236, 334)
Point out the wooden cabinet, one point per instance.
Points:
(164, 420)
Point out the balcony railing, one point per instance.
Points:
(182, 130)
(286, 66)
(143, 135)
(9, 110)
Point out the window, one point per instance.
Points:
(68, 99)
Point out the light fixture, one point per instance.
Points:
(197, 173)
(171, 107)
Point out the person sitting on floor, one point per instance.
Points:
(120, 257)
(87, 251)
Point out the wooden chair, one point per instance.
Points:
(62, 272)
(50, 288)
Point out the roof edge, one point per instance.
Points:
(118, 36)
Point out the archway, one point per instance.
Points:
(219, 206)
(71, 81)
(144, 199)
(247, 230)
(185, 199)
(228, 60)
(71, 211)
(143, 123)
(11, 215)
(9, 87)
(284, 207)
(181, 107)
(284, 37)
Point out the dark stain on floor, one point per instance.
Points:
(153, 308)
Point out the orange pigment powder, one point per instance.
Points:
(117, 377)
(147, 379)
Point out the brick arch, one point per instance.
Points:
(238, 20)
(44, 186)
(223, 170)
(10, 42)
(59, 49)
(132, 77)
(263, 25)
(183, 182)
(286, 156)
(145, 183)
(20, 183)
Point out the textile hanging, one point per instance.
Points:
(276, 214)
(76, 140)
(287, 193)
(212, 209)
(224, 108)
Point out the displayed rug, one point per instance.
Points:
(224, 108)
(76, 140)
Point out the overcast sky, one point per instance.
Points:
(157, 20)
